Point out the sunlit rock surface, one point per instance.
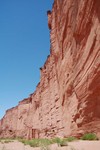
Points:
(67, 99)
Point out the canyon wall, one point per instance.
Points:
(67, 99)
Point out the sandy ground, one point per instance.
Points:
(77, 145)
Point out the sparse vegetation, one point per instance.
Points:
(45, 144)
(36, 142)
(60, 142)
(89, 136)
(70, 139)
(63, 142)
(6, 140)
(56, 140)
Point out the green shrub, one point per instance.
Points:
(70, 139)
(89, 136)
(6, 140)
(63, 142)
(60, 142)
(45, 141)
(56, 140)
(36, 142)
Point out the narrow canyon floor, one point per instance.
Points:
(76, 145)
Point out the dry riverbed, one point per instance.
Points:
(76, 145)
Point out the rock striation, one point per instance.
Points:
(67, 99)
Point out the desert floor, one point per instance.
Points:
(76, 145)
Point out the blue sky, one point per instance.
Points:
(24, 46)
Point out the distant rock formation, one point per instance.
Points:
(67, 99)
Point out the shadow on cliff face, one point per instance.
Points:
(97, 8)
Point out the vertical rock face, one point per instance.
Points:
(67, 99)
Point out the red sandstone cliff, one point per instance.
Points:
(67, 99)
